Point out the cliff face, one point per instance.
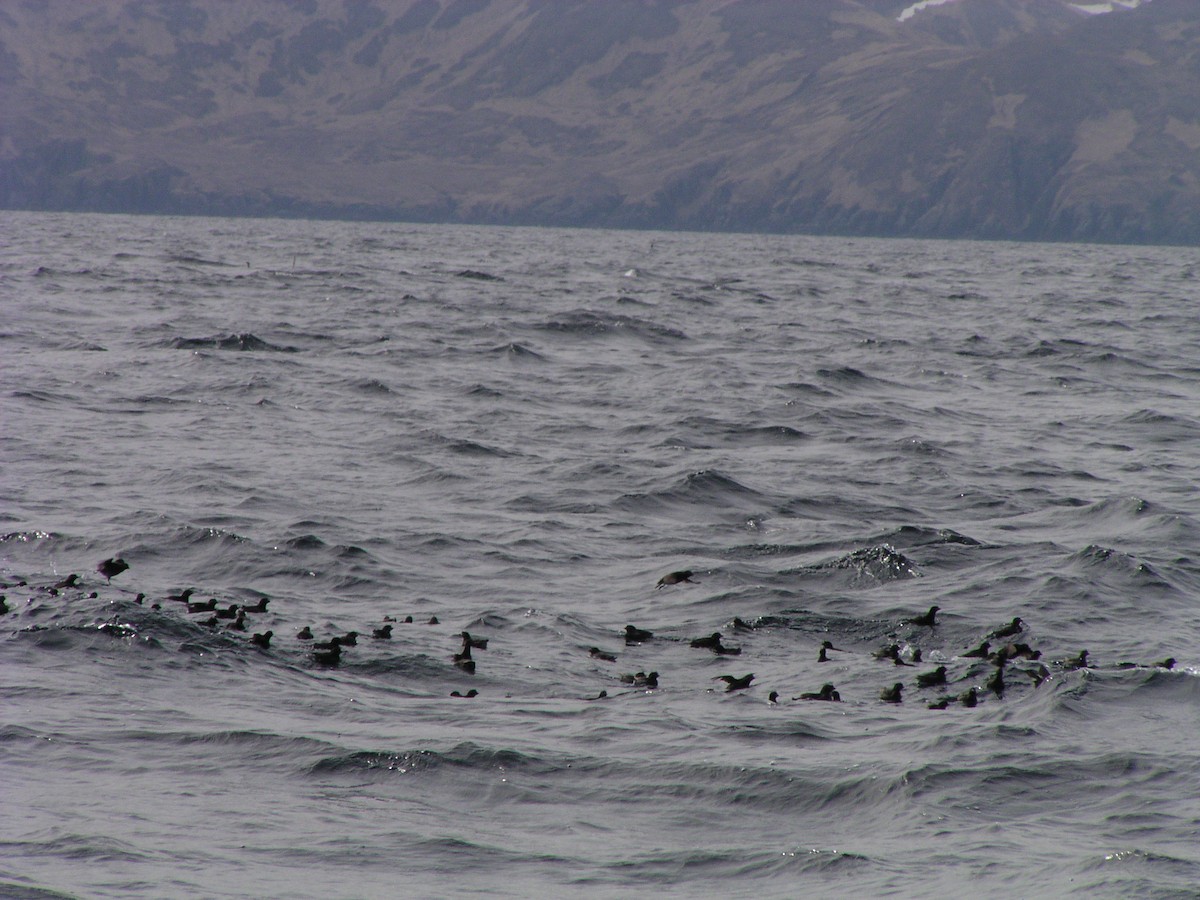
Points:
(974, 118)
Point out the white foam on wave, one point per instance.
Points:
(917, 7)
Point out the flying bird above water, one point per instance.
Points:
(111, 568)
(676, 578)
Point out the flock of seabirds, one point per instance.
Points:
(1001, 654)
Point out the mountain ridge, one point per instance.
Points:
(974, 118)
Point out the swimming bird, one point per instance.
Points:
(4, 607)
(929, 619)
(892, 694)
(827, 692)
(329, 657)
(735, 684)
(929, 679)
(183, 596)
(112, 567)
(940, 704)
(383, 633)
(462, 659)
(969, 698)
(1017, 651)
(477, 643)
(980, 652)
(239, 623)
(597, 653)
(741, 624)
(229, 612)
(722, 650)
(206, 606)
(1168, 663)
(891, 651)
(825, 647)
(471, 693)
(259, 607)
(599, 696)
(636, 635)
(71, 580)
(262, 640)
(916, 654)
(641, 679)
(332, 643)
(709, 643)
(1013, 627)
(350, 639)
(773, 697)
(995, 684)
(1076, 662)
(675, 578)
(304, 634)
(433, 620)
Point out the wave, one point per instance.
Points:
(586, 323)
(241, 342)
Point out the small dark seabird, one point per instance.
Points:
(350, 639)
(1013, 627)
(262, 640)
(827, 692)
(206, 606)
(773, 697)
(641, 679)
(735, 684)
(929, 619)
(597, 653)
(471, 693)
(183, 596)
(980, 652)
(1168, 663)
(111, 568)
(1076, 662)
(636, 635)
(1017, 651)
(892, 694)
(228, 613)
(433, 620)
(259, 607)
(383, 633)
(891, 651)
(71, 580)
(712, 642)
(238, 624)
(741, 624)
(675, 578)
(467, 665)
(332, 643)
(916, 655)
(825, 647)
(407, 620)
(477, 643)
(995, 684)
(929, 679)
(970, 698)
(940, 704)
(599, 696)
(1040, 674)
(305, 634)
(328, 657)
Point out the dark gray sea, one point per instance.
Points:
(518, 432)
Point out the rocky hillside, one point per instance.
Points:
(1026, 119)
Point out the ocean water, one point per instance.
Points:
(518, 432)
